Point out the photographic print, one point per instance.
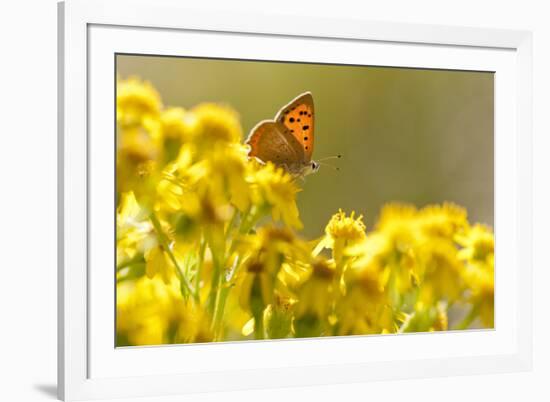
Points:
(261, 200)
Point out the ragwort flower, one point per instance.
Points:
(137, 102)
(315, 301)
(153, 312)
(212, 125)
(366, 306)
(277, 189)
(341, 232)
(442, 220)
(479, 274)
(134, 231)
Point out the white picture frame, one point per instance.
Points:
(91, 32)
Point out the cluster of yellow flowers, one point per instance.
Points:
(207, 248)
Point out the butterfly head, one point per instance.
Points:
(303, 169)
(313, 167)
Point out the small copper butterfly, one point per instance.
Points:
(287, 140)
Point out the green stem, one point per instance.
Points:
(218, 262)
(244, 220)
(221, 298)
(218, 311)
(258, 323)
(163, 240)
(200, 265)
(212, 296)
(220, 285)
(232, 222)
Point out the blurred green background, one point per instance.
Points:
(411, 135)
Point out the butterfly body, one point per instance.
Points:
(287, 140)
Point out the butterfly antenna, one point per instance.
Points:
(329, 165)
(330, 157)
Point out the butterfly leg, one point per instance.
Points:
(285, 167)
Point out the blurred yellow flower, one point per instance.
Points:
(441, 271)
(138, 137)
(478, 244)
(442, 220)
(134, 231)
(479, 273)
(399, 223)
(158, 263)
(177, 128)
(152, 312)
(176, 124)
(137, 101)
(227, 175)
(264, 254)
(213, 123)
(315, 298)
(366, 306)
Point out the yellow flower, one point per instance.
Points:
(479, 274)
(176, 188)
(400, 236)
(227, 175)
(157, 262)
(349, 229)
(142, 311)
(138, 137)
(478, 244)
(398, 222)
(129, 213)
(366, 306)
(177, 129)
(208, 189)
(342, 232)
(315, 301)
(137, 145)
(177, 124)
(137, 101)
(442, 220)
(134, 231)
(264, 254)
(276, 188)
(213, 123)
(137, 163)
(152, 312)
(481, 280)
(442, 271)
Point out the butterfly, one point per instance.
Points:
(287, 140)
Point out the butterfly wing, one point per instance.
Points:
(272, 141)
(298, 116)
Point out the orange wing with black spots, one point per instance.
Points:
(298, 116)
